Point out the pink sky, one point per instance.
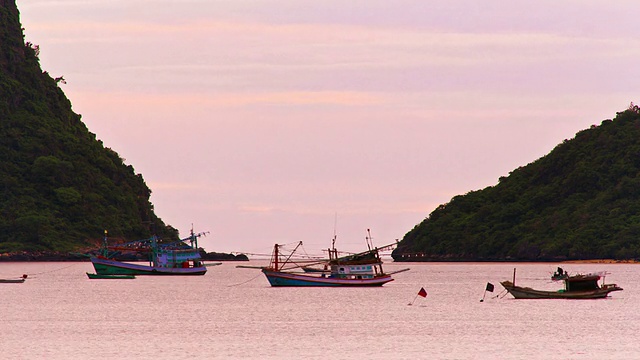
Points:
(265, 121)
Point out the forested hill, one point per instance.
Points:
(581, 201)
(60, 187)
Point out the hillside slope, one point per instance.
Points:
(59, 186)
(581, 201)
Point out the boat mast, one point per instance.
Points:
(153, 261)
(378, 269)
(194, 238)
(335, 236)
(105, 250)
(275, 257)
(333, 253)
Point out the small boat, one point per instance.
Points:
(581, 286)
(114, 276)
(362, 269)
(14, 281)
(177, 258)
(560, 274)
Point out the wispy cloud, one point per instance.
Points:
(235, 99)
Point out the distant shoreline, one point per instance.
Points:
(25, 256)
(600, 261)
(591, 261)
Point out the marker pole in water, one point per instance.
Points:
(489, 288)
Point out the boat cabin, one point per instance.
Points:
(359, 271)
(178, 258)
(582, 283)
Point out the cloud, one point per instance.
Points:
(222, 100)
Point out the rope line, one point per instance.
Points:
(502, 294)
(44, 272)
(244, 282)
(50, 271)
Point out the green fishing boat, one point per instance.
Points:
(177, 258)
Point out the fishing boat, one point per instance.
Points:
(113, 276)
(14, 281)
(362, 269)
(178, 258)
(581, 286)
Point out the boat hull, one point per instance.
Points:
(11, 281)
(102, 276)
(279, 278)
(112, 267)
(519, 292)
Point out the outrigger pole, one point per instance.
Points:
(276, 256)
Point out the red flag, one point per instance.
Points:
(422, 292)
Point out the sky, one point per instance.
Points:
(280, 121)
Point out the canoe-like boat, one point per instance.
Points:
(103, 276)
(355, 270)
(177, 258)
(14, 281)
(576, 287)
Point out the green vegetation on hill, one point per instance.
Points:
(581, 201)
(59, 186)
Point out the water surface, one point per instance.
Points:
(230, 313)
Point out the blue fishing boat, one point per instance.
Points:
(177, 258)
(362, 269)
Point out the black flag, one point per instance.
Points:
(489, 287)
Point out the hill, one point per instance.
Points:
(581, 201)
(60, 187)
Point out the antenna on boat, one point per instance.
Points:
(194, 238)
(335, 225)
(104, 244)
(369, 240)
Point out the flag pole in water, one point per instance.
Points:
(488, 288)
(422, 293)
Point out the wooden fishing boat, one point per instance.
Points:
(177, 258)
(104, 276)
(362, 269)
(581, 286)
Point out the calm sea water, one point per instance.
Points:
(231, 313)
